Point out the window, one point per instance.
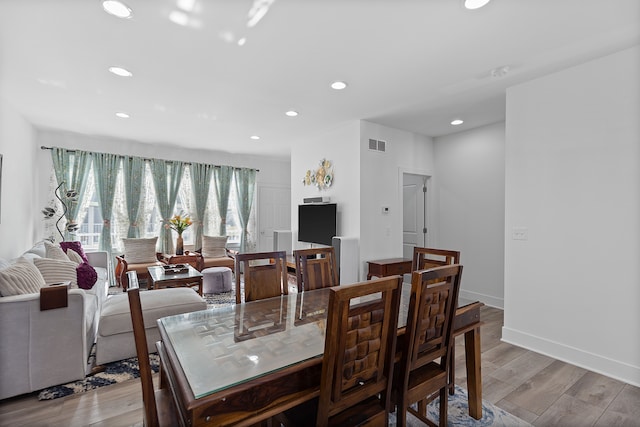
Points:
(149, 218)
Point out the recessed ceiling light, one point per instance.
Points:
(457, 122)
(117, 8)
(475, 4)
(256, 137)
(188, 5)
(338, 85)
(178, 17)
(122, 115)
(257, 11)
(242, 41)
(291, 113)
(119, 71)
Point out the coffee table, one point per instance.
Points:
(161, 279)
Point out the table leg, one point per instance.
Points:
(474, 377)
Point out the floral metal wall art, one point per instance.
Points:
(322, 177)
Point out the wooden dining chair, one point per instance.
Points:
(425, 362)
(316, 268)
(159, 407)
(424, 258)
(359, 351)
(264, 274)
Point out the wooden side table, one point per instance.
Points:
(191, 258)
(388, 267)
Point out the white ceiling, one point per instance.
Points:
(410, 64)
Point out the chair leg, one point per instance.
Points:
(452, 369)
(422, 407)
(444, 404)
(401, 413)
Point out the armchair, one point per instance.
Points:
(138, 255)
(215, 253)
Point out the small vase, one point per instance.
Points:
(179, 245)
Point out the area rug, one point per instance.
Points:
(458, 414)
(220, 300)
(110, 373)
(226, 298)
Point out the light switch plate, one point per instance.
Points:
(520, 233)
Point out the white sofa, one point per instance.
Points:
(39, 349)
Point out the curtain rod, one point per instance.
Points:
(42, 147)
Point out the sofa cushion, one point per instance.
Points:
(86, 274)
(218, 262)
(55, 252)
(214, 246)
(115, 317)
(140, 251)
(19, 278)
(102, 273)
(75, 257)
(38, 249)
(76, 247)
(56, 271)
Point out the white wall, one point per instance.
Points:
(19, 211)
(469, 200)
(573, 179)
(381, 185)
(340, 146)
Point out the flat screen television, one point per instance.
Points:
(317, 223)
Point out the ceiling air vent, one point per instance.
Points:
(377, 145)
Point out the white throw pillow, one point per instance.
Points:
(56, 271)
(74, 256)
(55, 251)
(214, 246)
(140, 251)
(20, 278)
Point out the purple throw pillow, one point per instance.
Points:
(86, 275)
(76, 246)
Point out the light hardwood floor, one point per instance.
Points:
(536, 388)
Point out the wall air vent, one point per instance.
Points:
(377, 145)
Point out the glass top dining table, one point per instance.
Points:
(223, 347)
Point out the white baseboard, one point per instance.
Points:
(486, 299)
(612, 368)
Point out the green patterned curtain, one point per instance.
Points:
(245, 188)
(105, 167)
(166, 181)
(72, 167)
(200, 182)
(133, 169)
(223, 175)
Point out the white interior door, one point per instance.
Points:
(274, 213)
(414, 220)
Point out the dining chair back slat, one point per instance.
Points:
(159, 407)
(316, 268)
(264, 275)
(357, 369)
(425, 258)
(425, 361)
